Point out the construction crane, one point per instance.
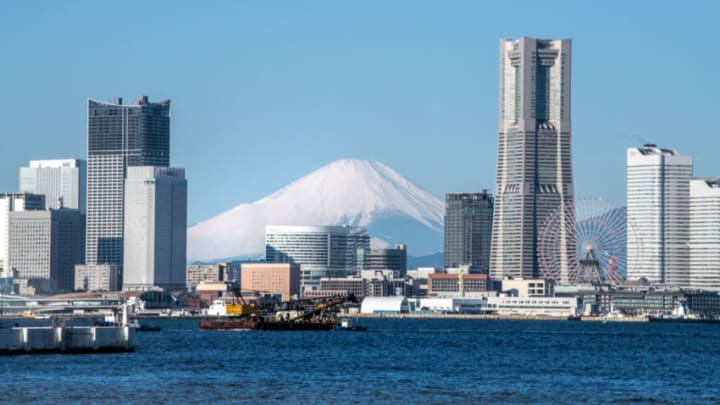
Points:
(238, 306)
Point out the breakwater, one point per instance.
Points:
(66, 339)
(490, 316)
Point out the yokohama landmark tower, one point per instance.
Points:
(534, 168)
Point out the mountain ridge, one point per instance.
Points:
(344, 192)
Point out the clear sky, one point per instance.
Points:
(264, 92)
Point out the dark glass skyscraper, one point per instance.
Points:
(119, 136)
(468, 227)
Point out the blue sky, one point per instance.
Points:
(264, 92)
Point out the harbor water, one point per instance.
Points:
(396, 360)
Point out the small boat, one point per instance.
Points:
(142, 327)
(347, 327)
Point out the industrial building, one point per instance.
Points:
(384, 305)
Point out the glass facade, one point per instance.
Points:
(321, 251)
(468, 227)
(119, 136)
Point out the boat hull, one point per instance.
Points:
(246, 323)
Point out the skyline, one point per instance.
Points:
(316, 80)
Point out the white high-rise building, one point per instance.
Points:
(705, 233)
(658, 207)
(11, 203)
(534, 167)
(321, 251)
(60, 180)
(155, 235)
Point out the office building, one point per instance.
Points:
(155, 236)
(387, 259)
(705, 234)
(468, 229)
(450, 284)
(271, 278)
(658, 205)
(534, 167)
(198, 273)
(520, 287)
(321, 251)
(46, 245)
(97, 277)
(62, 181)
(119, 136)
(11, 203)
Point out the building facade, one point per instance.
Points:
(658, 206)
(12, 203)
(62, 181)
(46, 245)
(96, 277)
(119, 136)
(705, 234)
(468, 229)
(155, 235)
(271, 278)
(387, 259)
(449, 284)
(198, 273)
(534, 167)
(321, 251)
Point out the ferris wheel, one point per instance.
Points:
(601, 232)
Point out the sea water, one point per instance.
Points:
(396, 360)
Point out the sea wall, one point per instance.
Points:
(92, 339)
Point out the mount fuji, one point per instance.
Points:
(345, 192)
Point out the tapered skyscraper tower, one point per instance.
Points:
(119, 136)
(534, 168)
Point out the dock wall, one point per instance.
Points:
(92, 339)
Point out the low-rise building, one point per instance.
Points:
(528, 287)
(350, 285)
(96, 277)
(532, 306)
(441, 283)
(271, 278)
(384, 305)
(197, 273)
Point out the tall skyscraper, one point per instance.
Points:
(468, 227)
(119, 136)
(658, 205)
(321, 251)
(705, 234)
(155, 236)
(11, 203)
(534, 167)
(60, 180)
(45, 245)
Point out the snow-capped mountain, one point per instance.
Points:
(344, 192)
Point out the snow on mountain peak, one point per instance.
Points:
(344, 192)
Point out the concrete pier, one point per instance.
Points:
(67, 339)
